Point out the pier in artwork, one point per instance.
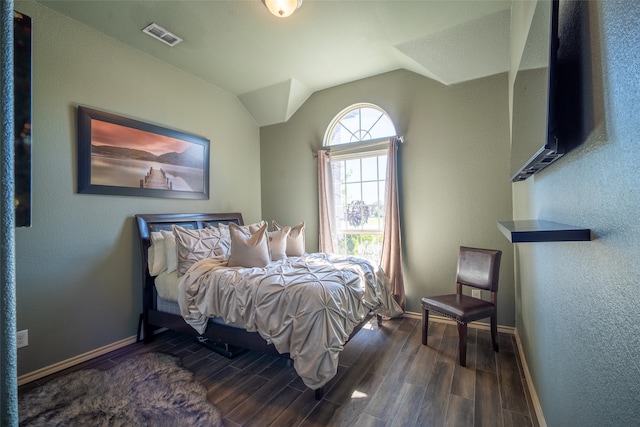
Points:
(156, 179)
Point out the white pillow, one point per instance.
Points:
(156, 257)
(277, 242)
(195, 245)
(295, 239)
(170, 251)
(246, 229)
(248, 250)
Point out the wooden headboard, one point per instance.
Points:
(156, 222)
(148, 223)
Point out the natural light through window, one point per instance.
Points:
(362, 122)
(359, 176)
(358, 395)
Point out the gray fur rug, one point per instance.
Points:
(144, 390)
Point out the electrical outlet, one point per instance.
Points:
(22, 338)
(476, 293)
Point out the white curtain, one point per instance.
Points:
(391, 256)
(327, 238)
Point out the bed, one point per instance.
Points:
(296, 305)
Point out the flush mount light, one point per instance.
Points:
(282, 8)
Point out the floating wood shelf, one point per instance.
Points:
(542, 231)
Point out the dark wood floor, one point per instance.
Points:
(386, 377)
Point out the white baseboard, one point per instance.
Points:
(476, 325)
(57, 367)
(532, 390)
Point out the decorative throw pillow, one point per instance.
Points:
(277, 241)
(224, 244)
(246, 229)
(170, 251)
(248, 250)
(194, 245)
(156, 257)
(295, 239)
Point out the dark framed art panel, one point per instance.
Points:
(122, 156)
(22, 114)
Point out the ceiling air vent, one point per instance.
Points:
(157, 32)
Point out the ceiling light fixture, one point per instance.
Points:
(282, 8)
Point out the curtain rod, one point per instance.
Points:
(344, 148)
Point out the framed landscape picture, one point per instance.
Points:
(122, 156)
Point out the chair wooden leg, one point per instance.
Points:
(425, 325)
(462, 343)
(494, 332)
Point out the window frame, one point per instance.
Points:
(370, 148)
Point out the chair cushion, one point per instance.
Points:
(460, 307)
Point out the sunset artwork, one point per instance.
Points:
(148, 160)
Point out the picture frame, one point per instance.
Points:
(127, 157)
(22, 65)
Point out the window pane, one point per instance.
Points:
(370, 117)
(362, 245)
(369, 168)
(354, 192)
(383, 128)
(377, 215)
(336, 136)
(337, 171)
(352, 170)
(382, 166)
(357, 215)
(360, 124)
(370, 192)
(350, 124)
(360, 205)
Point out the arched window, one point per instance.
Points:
(358, 138)
(357, 123)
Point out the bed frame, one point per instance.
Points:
(227, 340)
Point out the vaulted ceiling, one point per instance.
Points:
(274, 64)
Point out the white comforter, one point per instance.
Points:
(306, 306)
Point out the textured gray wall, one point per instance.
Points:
(577, 303)
(77, 268)
(454, 172)
(8, 357)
